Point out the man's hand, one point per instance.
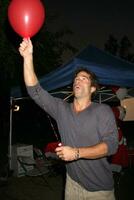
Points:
(26, 51)
(26, 48)
(66, 153)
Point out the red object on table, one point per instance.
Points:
(121, 157)
(51, 147)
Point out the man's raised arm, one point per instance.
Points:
(26, 51)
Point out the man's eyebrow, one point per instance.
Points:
(83, 76)
(86, 76)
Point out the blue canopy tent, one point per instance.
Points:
(109, 69)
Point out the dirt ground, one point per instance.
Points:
(52, 187)
(33, 188)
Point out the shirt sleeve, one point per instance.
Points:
(107, 129)
(45, 100)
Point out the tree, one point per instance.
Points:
(120, 48)
(111, 45)
(125, 46)
(49, 48)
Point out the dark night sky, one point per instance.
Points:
(93, 20)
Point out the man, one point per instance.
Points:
(88, 132)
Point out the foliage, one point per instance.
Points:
(112, 45)
(119, 48)
(49, 48)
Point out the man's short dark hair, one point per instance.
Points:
(93, 77)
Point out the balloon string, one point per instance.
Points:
(56, 135)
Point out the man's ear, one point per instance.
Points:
(93, 89)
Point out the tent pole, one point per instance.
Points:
(10, 133)
(99, 97)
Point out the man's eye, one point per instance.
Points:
(84, 78)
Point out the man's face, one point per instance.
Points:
(82, 85)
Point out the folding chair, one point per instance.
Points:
(40, 166)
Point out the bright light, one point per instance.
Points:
(16, 108)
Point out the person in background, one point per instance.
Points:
(88, 132)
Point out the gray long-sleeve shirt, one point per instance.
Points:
(89, 127)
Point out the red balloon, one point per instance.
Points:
(26, 16)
